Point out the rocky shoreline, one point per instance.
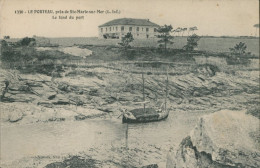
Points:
(99, 90)
(82, 93)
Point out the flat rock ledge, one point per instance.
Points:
(221, 139)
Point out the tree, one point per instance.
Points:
(165, 36)
(178, 30)
(126, 40)
(256, 27)
(239, 49)
(6, 37)
(192, 29)
(125, 43)
(192, 42)
(183, 30)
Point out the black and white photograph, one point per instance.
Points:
(129, 84)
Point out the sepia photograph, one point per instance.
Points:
(129, 84)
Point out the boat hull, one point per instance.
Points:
(145, 119)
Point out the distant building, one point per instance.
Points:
(140, 28)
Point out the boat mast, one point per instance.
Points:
(166, 90)
(143, 85)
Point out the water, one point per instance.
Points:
(104, 139)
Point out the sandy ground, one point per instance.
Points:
(69, 50)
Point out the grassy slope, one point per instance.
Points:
(212, 44)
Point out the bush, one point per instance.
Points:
(237, 52)
(192, 42)
(27, 41)
(16, 54)
(8, 56)
(126, 40)
(48, 69)
(238, 49)
(125, 43)
(231, 60)
(208, 69)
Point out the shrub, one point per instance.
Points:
(236, 52)
(126, 40)
(27, 41)
(231, 60)
(192, 42)
(15, 54)
(239, 49)
(125, 43)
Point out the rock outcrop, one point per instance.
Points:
(222, 139)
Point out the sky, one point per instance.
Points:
(212, 17)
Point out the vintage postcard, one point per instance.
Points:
(129, 84)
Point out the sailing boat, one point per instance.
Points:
(142, 115)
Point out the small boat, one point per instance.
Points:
(142, 115)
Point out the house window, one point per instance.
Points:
(106, 29)
(109, 28)
(137, 34)
(147, 29)
(142, 29)
(116, 28)
(122, 28)
(130, 28)
(147, 36)
(137, 29)
(101, 30)
(113, 28)
(154, 29)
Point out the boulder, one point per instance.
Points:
(80, 117)
(151, 166)
(14, 117)
(61, 99)
(45, 104)
(221, 139)
(12, 112)
(76, 162)
(85, 113)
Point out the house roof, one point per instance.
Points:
(129, 21)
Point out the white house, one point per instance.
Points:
(140, 28)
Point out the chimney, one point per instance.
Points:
(148, 20)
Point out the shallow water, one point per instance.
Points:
(104, 139)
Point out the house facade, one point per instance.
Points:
(118, 28)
